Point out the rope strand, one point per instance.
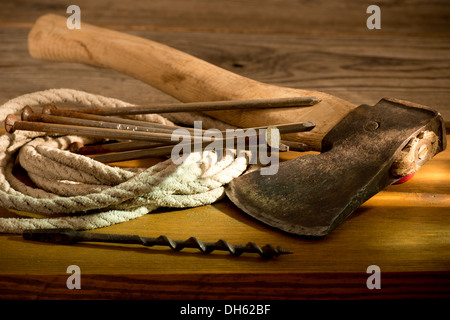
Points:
(76, 186)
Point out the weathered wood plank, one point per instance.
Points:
(278, 286)
(409, 17)
(360, 70)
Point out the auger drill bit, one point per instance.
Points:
(71, 236)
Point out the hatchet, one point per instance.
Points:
(362, 149)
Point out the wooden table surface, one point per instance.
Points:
(321, 45)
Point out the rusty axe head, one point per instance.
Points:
(371, 148)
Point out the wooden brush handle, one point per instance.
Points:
(180, 75)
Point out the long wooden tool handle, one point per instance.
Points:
(180, 75)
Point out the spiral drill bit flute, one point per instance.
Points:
(71, 236)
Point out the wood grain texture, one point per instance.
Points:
(182, 76)
(399, 229)
(359, 70)
(319, 45)
(239, 286)
(408, 17)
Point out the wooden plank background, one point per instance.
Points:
(321, 45)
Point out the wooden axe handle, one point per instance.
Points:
(180, 75)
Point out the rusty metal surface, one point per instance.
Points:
(313, 194)
(207, 106)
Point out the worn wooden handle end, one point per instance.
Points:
(181, 75)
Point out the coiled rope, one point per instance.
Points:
(80, 193)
